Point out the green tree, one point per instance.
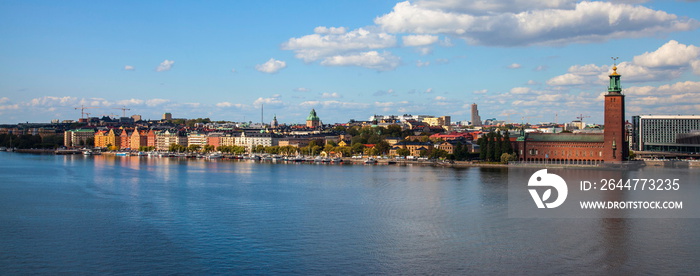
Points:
(194, 148)
(208, 148)
(507, 147)
(383, 147)
(403, 152)
(506, 157)
(498, 146)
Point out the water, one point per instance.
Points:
(131, 215)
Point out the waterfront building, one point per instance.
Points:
(77, 137)
(151, 138)
(112, 139)
(124, 141)
(415, 148)
(101, 139)
(228, 139)
(249, 140)
(666, 133)
(194, 138)
(214, 139)
(476, 119)
(312, 121)
(168, 137)
(138, 139)
(582, 148)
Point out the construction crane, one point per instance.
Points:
(124, 109)
(581, 117)
(82, 110)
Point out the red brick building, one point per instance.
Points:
(583, 148)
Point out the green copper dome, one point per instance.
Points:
(312, 116)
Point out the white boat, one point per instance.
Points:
(215, 155)
(370, 161)
(337, 160)
(3, 149)
(122, 153)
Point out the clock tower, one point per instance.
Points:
(615, 146)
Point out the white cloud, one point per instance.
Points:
(440, 98)
(301, 89)
(419, 40)
(670, 54)
(482, 91)
(274, 101)
(9, 107)
(515, 23)
(129, 68)
(228, 104)
(373, 60)
(429, 90)
(156, 102)
(494, 6)
(4, 100)
(331, 30)
(271, 66)
(514, 66)
(334, 104)
(318, 46)
(520, 90)
(420, 63)
(129, 102)
(696, 67)
(51, 101)
(166, 65)
(566, 79)
(330, 95)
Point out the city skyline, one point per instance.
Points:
(347, 60)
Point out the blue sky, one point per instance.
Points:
(535, 61)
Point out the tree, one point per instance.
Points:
(490, 147)
(482, 147)
(357, 148)
(382, 147)
(498, 146)
(403, 152)
(507, 147)
(193, 148)
(506, 157)
(177, 148)
(208, 148)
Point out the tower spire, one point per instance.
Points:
(614, 87)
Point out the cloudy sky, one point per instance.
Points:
(531, 60)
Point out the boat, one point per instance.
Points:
(122, 153)
(214, 155)
(141, 153)
(3, 149)
(370, 161)
(336, 160)
(90, 152)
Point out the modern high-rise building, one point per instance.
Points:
(669, 133)
(476, 119)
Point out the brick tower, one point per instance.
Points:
(614, 145)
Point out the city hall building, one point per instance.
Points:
(583, 148)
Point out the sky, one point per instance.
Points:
(519, 60)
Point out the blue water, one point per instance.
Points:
(131, 215)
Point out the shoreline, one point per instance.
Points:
(455, 164)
